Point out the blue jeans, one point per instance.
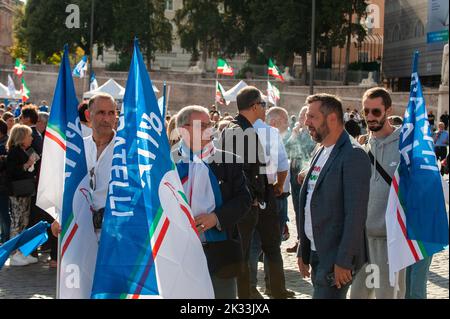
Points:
(224, 288)
(322, 288)
(416, 279)
(5, 219)
(256, 250)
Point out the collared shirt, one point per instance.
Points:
(274, 151)
(85, 130)
(99, 170)
(320, 163)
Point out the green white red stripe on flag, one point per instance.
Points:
(24, 91)
(220, 97)
(19, 68)
(274, 71)
(273, 93)
(224, 68)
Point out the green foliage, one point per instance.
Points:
(364, 66)
(116, 22)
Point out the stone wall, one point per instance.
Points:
(187, 89)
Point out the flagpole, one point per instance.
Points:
(215, 89)
(396, 287)
(164, 101)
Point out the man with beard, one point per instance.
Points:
(333, 202)
(382, 148)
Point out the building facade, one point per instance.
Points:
(6, 29)
(406, 28)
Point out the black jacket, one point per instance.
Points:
(224, 257)
(241, 139)
(17, 157)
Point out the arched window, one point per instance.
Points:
(419, 29)
(396, 35)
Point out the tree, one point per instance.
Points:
(145, 20)
(116, 22)
(200, 25)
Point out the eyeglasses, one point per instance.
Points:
(203, 125)
(262, 103)
(92, 182)
(375, 112)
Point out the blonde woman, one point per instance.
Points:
(172, 132)
(19, 166)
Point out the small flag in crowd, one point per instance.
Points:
(63, 189)
(93, 82)
(24, 91)
(148, 246)
(273, 93)
(11, 87)
(81, 68)
(19, 68)
(220, 98)
(26, 242)
(274, 71)
(224, 68)
(416, 218)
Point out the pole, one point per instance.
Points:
(91, 43)
(58, 266)
(313, 48)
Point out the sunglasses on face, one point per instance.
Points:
(262, 103)
(375, 112)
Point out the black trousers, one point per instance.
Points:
(36, 215)
(441, 152)
(268, 226)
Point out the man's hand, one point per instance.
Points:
(342, 276)
(303, 268)
(205, 222)
(278, 189)
(56, 228)
(301, 176)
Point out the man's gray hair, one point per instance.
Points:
(184, 115)
(101, 95)
(43, 116)
(276, 112)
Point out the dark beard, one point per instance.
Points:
(379, 127)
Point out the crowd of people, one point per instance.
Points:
(324, 161)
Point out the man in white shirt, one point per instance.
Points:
(99, 149)
(333, 202)
(277, 165)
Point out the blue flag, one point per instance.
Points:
(80, 69)
(420, 188)
(148, 246)
(26, 242)
(64, 188)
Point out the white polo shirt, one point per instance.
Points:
(99, 171)
(318, 166)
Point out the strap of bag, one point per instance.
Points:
(380, 169)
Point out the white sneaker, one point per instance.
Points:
(31, 259)
(18, 260)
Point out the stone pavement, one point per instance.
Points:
(39, 281)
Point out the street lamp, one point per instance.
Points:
(91, 44)
(313, 48)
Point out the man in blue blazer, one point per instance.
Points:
(333, 202)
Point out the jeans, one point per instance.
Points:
(268, 227)
(416, 279)
(322, 288)
(5, 219)
(224, 288)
